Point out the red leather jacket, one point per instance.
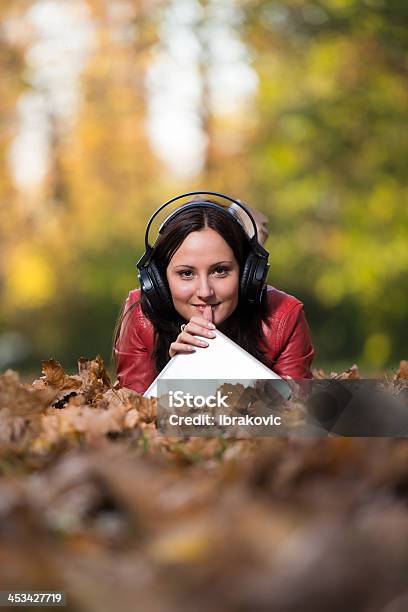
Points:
(287, 336)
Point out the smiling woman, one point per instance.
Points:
(205, 272)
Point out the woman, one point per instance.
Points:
(199, 260)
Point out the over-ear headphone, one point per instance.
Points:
(253, 271)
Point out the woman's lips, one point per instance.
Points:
(201, 308)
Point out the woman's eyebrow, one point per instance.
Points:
(211, 266)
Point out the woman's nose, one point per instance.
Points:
(205, 289)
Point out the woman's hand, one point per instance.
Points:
(197, 326)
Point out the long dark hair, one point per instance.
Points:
(244, 326)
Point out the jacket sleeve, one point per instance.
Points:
(135, 368)
(297, 350)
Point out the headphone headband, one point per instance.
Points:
(192, 193)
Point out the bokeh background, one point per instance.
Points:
(109, 107)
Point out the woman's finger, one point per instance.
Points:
(186, 338)
(208, 313)
(180, 347)
(203, 322)
(198, 330)
(185, 343)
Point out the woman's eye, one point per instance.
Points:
(186, 273)
(221, 270)
(218, 271)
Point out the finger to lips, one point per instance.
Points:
(207, 314)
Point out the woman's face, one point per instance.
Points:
(203, 271)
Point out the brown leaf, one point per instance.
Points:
(319, 373)
(351, 373)
(54, 376)
(12, 427)
(21, 400)
(403, 370)
(94, 378)
(95, 368)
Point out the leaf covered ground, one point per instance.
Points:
(94, 502)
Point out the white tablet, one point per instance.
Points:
(222, 361)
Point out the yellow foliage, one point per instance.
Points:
(377, 349)
(30, 279)
(382, 202)
(324, 63)
(330, 288)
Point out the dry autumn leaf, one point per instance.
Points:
(173, 520)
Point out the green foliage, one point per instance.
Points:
(329, 165)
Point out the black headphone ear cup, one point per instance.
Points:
(155, 288)
(253, 277)
(162, 288)
(245, 276)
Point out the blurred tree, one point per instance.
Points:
(11, 85)
(101, 180)
(329, 158)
